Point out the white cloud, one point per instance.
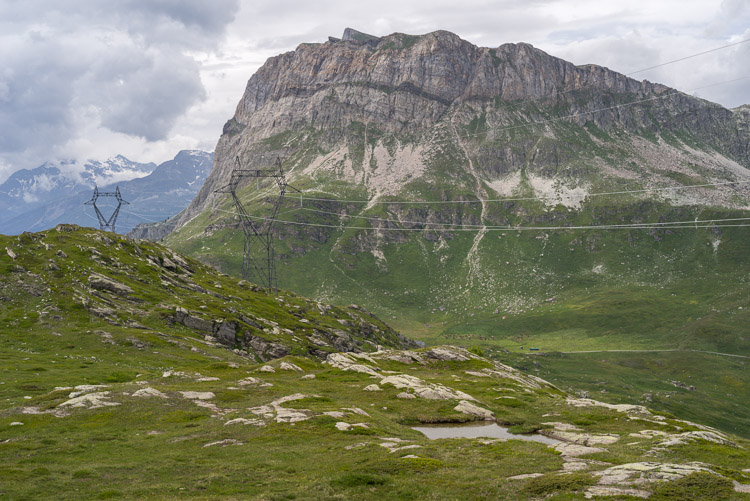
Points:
(114, 69)
(90, 79)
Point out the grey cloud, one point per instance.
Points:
(210, 16)
(733, 16)
(125, 62)
(149, 99)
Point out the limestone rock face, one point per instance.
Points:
(409, 85)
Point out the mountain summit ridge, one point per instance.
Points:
(405, 84)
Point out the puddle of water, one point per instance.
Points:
(474, 430)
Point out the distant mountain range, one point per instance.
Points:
(28, 189)
(34, 200)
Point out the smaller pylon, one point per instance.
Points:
(105, 223)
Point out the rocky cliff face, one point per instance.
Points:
(413, 85)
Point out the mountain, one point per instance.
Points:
(26, 189)
(381, 117)
(124, 361)
(437, 177)
(160, 194)
(504, 199)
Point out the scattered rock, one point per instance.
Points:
(335, 414)
(582, 438)
(467, 407)
(267, 368)
(423, 389)
(355, 446)
(198, 395)
(448, 354)
(90, 400)
(372, 387)
(356, 410)
(287, 366)
(249, 381)
(405, 395)
(16, 423)
(274, 410)
(575, 450)
(308, 376)
(83, 388)
(626, 408)
(599, 490)
(11, 254)
(526, 476)
(345, 362)
(342, 426)
(254, 422)
(562, 426)
(102, 283)
(692, 436)
(224, 443)
(647, 472)
(680, 384)
(149, 392)
(405, 447)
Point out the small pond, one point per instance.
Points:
(476, 430)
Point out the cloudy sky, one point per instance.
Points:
(84, 79)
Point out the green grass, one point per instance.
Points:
(155, 448)
(720, 397)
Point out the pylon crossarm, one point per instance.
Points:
(103, 221)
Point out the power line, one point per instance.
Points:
(657, 225)
(518, 199)
(481, 226)
(687, 57)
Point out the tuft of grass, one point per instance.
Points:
(358, 480)
(696, 486)
(557, 484)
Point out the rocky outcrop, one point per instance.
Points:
(102, 283)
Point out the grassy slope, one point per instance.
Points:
(52, 271)
(720, 384)
(153, 447)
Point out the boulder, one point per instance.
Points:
(149, 392)
(467, 407)
(102, 283)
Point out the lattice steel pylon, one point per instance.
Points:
(258, 233)
(105, 223)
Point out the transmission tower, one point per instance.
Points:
(105, 223)
(258, 232)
